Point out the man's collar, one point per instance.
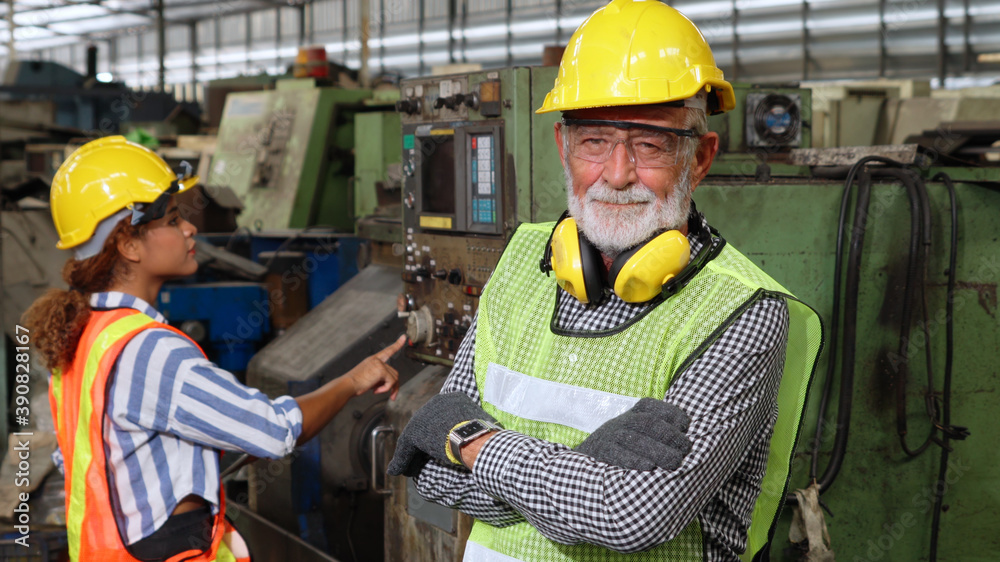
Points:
(694, 236)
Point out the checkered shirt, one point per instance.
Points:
(730, 394)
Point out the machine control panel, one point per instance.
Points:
(454, 177)
(443, 279)
(448, 98)
(436, 99)
(459, 204)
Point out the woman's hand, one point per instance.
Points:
(319, 406)
(375, 372)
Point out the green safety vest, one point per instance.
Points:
(560, 388)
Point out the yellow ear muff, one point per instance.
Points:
(573, 262)
(641, 274)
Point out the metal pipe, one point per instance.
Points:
(381, 35)
(193, 40)
(451, 31)
(91, 60)
(161, 45)
(365, 50)
(11, 47)
(510, 37)
(374, 451)
(465, 26)
(966, 42)
(249, 35)
(277, 37)
(302, 24)
(942, 47)
(559, 13)
(217, 24)
(883, 31)
(420, 37)
(805, 40)
(736, 43)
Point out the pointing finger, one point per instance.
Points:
(386, 354)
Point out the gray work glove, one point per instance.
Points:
(649, 435)
(426, 436)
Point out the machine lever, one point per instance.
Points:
(375, 433)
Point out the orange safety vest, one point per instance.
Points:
(78, 405)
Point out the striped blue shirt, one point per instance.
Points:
(170, 410)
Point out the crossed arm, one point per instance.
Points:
(730, 395)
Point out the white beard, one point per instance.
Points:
(612, 230)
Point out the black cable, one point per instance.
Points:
(930, 404)
(851, 283)
(916, 263)
(947, 429)
(847, 382)
(834, 325)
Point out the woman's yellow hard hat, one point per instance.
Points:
(637, 52)
(101, 178)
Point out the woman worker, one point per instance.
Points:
(140, 413)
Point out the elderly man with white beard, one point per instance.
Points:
(641, 391)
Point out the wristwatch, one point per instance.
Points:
(467, 432)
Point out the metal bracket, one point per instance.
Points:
(375, 433)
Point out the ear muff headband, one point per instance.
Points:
(660, 266)
(639, 274)
(711, 247)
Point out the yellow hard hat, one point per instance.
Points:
(101, 178)
(636, 52)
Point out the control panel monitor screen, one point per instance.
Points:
(438, 174)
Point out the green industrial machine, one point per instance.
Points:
(287, 154)
(780, 202)
(781, 208)
(476, 162)
(377, 157)
(882, 499)
(378, 181)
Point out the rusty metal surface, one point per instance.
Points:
(883, 500)
(847, 155)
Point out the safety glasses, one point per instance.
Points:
(144, 213)
(647, 146)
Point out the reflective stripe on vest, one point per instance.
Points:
(537, 399)
(526, 375)
(475, 552)
(77, 397)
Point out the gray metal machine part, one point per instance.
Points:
(416, 529)
(324, 492)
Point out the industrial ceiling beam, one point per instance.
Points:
(251, 6)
